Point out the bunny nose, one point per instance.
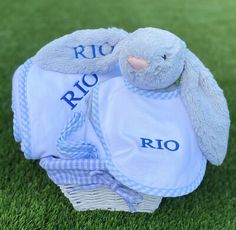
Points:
(137, 63)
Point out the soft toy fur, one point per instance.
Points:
(163, 52)
(58, 55)
(153, 59)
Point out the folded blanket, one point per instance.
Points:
(51, 86)
(48, 89)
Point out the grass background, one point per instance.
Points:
(28, 199)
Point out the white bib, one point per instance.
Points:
(149, 142)
(43, 101)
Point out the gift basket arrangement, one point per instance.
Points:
(120, 120)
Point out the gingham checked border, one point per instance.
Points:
(125, 180)
(16, 128)
(23, 134)
(152, 93)
(87, 174)
(78, 149)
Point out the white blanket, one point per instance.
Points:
(149, 142)
(42, 103)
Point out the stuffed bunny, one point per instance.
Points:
(153, 59)
(157, 134)
(145, 134)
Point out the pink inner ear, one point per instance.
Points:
(137, 63)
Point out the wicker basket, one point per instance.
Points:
(105, 199)
(89, 186)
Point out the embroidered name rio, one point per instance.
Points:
(92, 51)
(170, 145)
(80, 90)
(82, 87)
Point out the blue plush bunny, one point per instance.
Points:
(156, 133)
(146, 133)
(154, 59)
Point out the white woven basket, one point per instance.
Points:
(105, 199)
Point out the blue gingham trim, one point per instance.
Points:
(53, 163)
(75, 149)
(152, 93)
(125, 180)
(87, 174)
(75, 171)
(24, 113)
(16, 128)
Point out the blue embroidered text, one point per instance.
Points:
(170, 145)
(92, 51)
(81, 89)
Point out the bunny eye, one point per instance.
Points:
(164, 57)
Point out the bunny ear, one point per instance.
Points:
(84, 51)
(207, 108)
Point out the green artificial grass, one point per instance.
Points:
(28, 199)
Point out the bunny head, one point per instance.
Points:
(152, 58)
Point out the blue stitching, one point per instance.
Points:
(125, 180)
(24, 113)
